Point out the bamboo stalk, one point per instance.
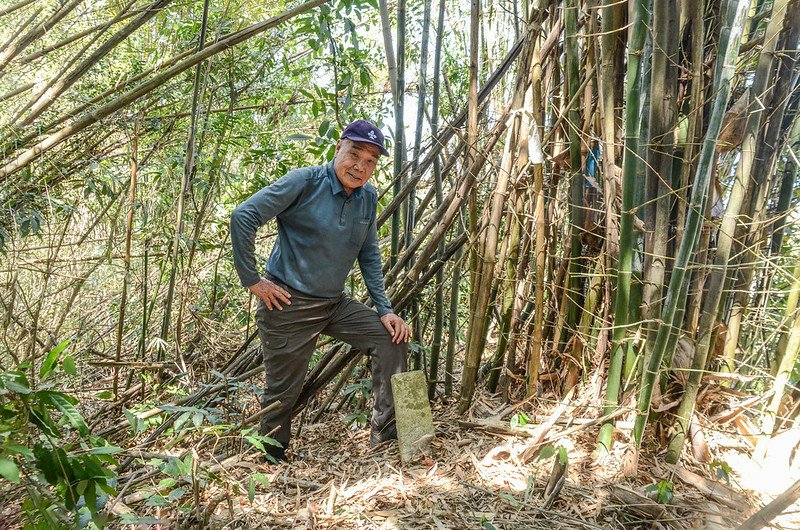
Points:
(19, 5)
(629, 168)
(188, 174)
(744, 169)
(662, 120)
(127, 262)
(121, 101)
(438, 321)
(576, 207)
(10, 52)
(540, 245)
(729, 47)
(785, 368)
(49, 94)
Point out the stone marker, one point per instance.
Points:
(413, 412)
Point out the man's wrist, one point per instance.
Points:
(250, 281)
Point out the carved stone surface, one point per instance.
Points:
(413, 411)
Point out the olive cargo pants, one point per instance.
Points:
(288, 338)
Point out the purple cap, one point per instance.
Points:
(364, 131)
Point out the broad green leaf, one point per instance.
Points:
(41, 418)
(563, 458)
(166, 483)
(68, 365)
(9, 470)
(105, 450)
(93, 470)
(46, 462)
(51, 359)
(251, 490)
(271, 441)
(90, 495)
(176, 494)
(546, 452)
(520, 419)
(16, 382)
(20, 450)
(261, 478)
(80, 488)
(107, 488)
(256, 442)
(132, 420)
(70, 412)
(157, 500)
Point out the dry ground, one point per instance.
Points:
(478, 475)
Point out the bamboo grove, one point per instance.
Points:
(586, 195)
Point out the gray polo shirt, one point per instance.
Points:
(321, 232)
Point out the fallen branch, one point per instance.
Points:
(712, 489)
(765, 515)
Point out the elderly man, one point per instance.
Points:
(326, 218)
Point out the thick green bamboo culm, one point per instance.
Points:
(399, 125)
(576, 179)
(753, 133)
(471, 364)
(730, 36)
(711, 302)
(662, 112)
(629, 166)
(438, 325)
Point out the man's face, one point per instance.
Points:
(354, 163)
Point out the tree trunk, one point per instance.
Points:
(471, 362)
(663, 117)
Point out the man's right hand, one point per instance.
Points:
(272, 295)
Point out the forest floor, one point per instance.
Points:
(480, 472)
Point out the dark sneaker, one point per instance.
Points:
(378, 436)
(275, 454)
(272, 454)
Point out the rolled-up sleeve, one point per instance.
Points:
(254, 213)
(369, 261)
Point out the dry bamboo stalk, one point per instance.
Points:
(144, 88)
(127, 260)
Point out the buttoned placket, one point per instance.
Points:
(345, 203)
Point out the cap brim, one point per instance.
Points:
(357, 138)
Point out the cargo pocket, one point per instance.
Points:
(359, 233)
(275, 341)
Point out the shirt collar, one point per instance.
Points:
(336, 186)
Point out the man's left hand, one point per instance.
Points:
(396, 327)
